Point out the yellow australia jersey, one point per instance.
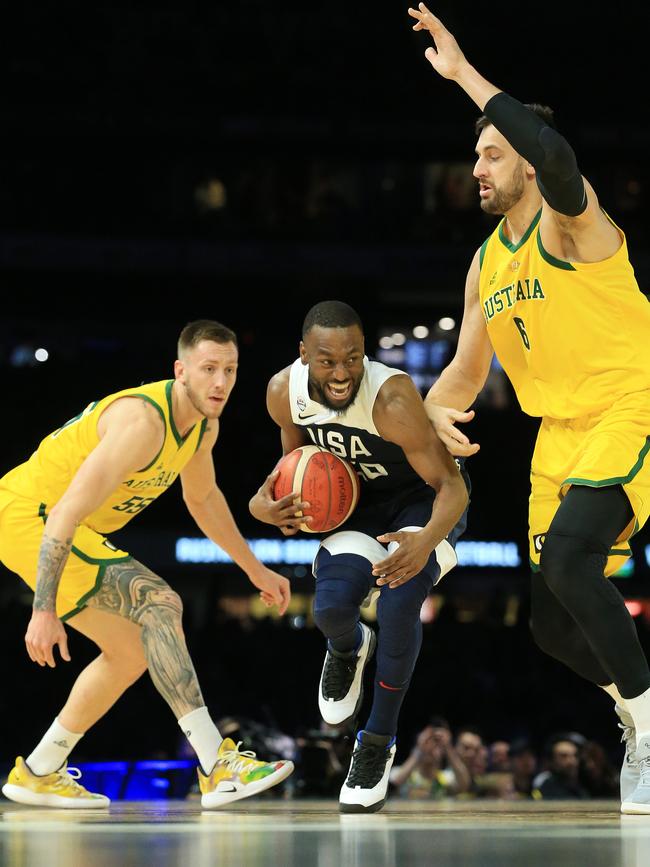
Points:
(571, 336)
(48, 472)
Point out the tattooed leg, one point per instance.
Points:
(131, 590)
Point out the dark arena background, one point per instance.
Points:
(165, 162)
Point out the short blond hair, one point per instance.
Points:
(204, 329)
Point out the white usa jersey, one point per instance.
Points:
(352, 434)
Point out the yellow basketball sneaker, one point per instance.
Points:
(59, 789)
(238, 775)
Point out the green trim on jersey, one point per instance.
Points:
(102, 567)
(617, 480)
(172, 424)
(164, 421)
(204, 425)
(514, 247)
(101, 562)
(556, 263)
(481, 255)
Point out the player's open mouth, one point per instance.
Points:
(483, 190)
(339, 392)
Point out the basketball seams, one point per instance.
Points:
(285, 482)
(332, 508)
(329, 493)
(298, 476)
(354, 482)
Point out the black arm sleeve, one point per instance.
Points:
(558, 177)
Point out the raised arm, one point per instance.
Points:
(131, 434)
(400, 418)
(283, 513)
(207, 505)
(460, 382)
(570, 202)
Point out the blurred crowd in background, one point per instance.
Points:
(170, 162)
(443, 764)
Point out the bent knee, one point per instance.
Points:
(563, 559)
(128, 662)
(160, 604)
(330, 618)
(166, 598)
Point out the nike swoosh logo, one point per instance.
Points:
(303, 417)
(226, 791)
(391, 688)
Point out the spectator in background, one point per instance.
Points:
(523, 764)
(597, 773)
(471, 749)
(561, 780)
(499, 757)
(434, 768)
(496, 780)
(474, 754)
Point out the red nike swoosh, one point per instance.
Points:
(391, 688)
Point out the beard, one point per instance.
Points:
(505, 198)
(321, 396)
(205, 410)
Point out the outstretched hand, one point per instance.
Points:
(444, 420)
(274, 589)
(445, 57)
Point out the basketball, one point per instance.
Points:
(328, 483)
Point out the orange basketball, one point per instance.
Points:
(328, 483)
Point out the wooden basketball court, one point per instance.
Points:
(305, 833)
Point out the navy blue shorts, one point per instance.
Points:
(358, 536)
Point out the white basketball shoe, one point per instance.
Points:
(340, 691)
(366, 785)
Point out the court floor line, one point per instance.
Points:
(642, 829)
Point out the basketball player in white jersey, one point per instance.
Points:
(401, 535)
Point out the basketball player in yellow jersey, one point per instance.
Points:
(553, 293)
(86, 479)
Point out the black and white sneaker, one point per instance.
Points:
(365, 788)
(340, 691)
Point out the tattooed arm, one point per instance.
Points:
(208, 506)
(131, 434)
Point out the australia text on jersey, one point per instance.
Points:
(506, 298)
(136, 504)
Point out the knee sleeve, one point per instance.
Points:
(568, 561)
(342, 583)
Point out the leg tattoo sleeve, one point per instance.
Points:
(131, 590)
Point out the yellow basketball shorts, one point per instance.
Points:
(606, 448)
(21, 532)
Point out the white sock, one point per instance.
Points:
(53, 750)
(639, 709)
(615, 694)
(203, 735)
